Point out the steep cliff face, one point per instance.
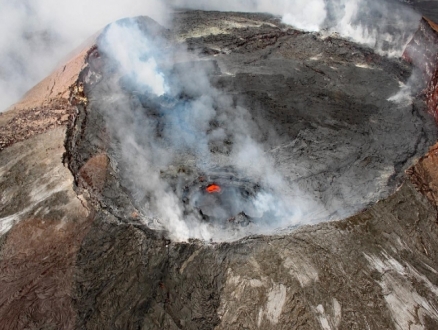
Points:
(78, 250)
(45, 106)
(422, 51)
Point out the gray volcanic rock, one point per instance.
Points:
(426, 8)
(321, 109)
(84, 253)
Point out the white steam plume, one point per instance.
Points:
(306, 15)
(385, 26)
(37, 34)
(181, 96)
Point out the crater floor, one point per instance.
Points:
(319, 123)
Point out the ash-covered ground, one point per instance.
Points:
(298, 127)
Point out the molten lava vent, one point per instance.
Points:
(229, 201)
(213, 188)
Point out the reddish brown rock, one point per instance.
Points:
(422, 51)
(424, 175)
(45, 106)
(93, 174)
(49, 222)
(36, 269)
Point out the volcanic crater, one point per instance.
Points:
(312, 121)
(243, 110)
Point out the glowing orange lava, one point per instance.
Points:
(213, 188)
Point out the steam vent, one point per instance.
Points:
(231, 172)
